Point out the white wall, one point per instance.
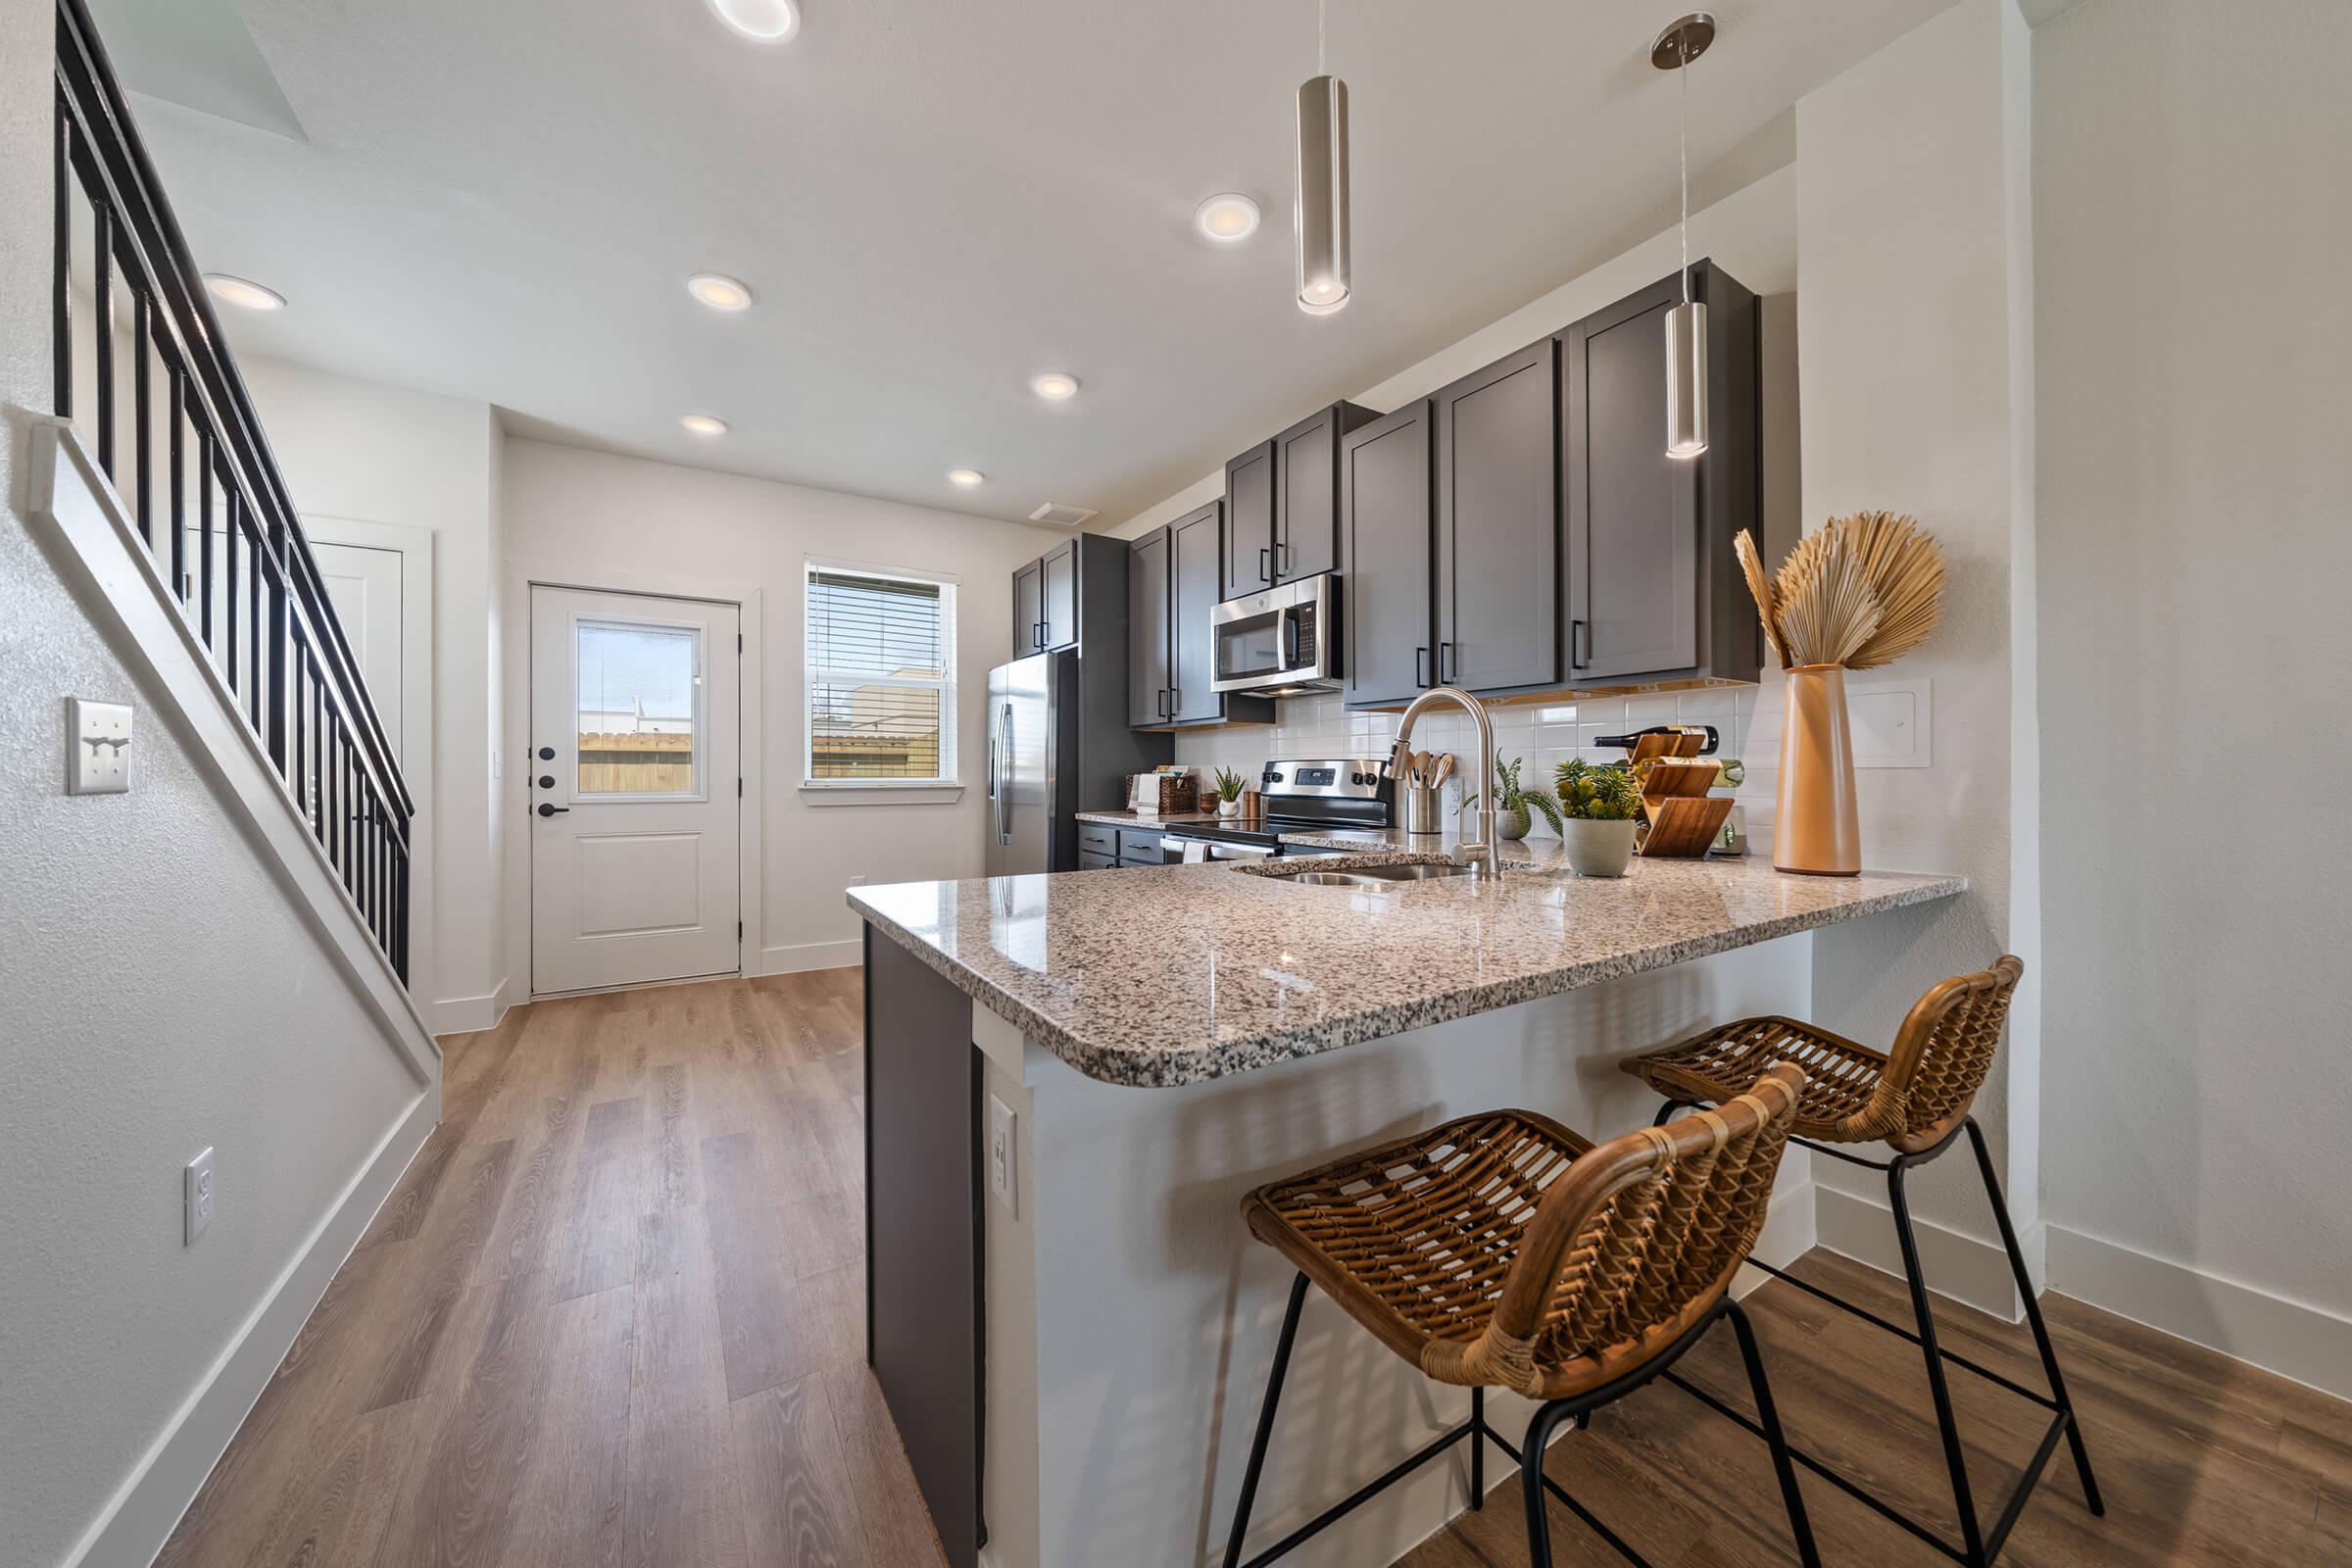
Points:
(2195, 636)
(376, 454)
(594, 519)
(161, 995)
(1911, 234)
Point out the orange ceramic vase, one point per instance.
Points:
(1817, 830)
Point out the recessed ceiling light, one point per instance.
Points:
(704, 423)
(1054, 384)
(967, 477)
(1228, 217)
(244, 292)
(768, 21)
(719, 291)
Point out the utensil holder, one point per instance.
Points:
(1421, 813)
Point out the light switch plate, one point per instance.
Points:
(196, 1198)
(1894, 721)
(999, 1154)
(97, 747)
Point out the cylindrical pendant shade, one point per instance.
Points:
(1687, 381)
(1321, 216)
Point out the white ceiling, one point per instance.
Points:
(934, 201)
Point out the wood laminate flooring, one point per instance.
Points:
(613, 1317)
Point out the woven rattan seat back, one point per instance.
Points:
(1942, 1056)
(1627, 1249)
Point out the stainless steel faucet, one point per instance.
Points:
(1481, 848)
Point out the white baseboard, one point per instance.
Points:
(811, 956)
(140, 1516)
(464, 1015)
(2307, 1343)
(1966, 1268)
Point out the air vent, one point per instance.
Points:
(1061, 516)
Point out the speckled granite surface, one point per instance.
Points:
(1175, 974)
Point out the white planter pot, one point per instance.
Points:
(1597, 848)
(1229, 808)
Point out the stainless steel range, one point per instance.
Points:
(1293, 796)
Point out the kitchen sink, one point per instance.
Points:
(1375, 878)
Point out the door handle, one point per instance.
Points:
(1290, 639)
(545, 809)
(1265, 572)
(1580, 632)
(1420, 658)
(1442, 649)
(1005, 796)
(1161, 698)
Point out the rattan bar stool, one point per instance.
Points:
(1917, 1100)
(1506, 1252)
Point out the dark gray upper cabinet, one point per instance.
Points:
(1149, 653)
(1306, 491)
(1172, 584)
(1247, 557)
(1060, 606)
(1028, 609)
(1282, 504)
(1654, 589)
(1498, 559)
(1192, 557)
(1384, 545)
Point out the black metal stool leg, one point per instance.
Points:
(1265, 1422)
(1971, 1538)
(1477, 1447)
(1768, 1416)
(1531, 1484)
(2041, 1335)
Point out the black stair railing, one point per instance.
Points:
(198, 477)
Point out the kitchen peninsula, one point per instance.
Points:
(1073, 1079)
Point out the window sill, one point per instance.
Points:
(878, 791)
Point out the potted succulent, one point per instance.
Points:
(1600, 804)
(1230, 785)
(1513, 802)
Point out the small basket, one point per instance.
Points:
(1162, 794)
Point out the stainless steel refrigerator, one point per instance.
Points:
(1031, 738)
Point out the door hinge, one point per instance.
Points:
(739, 642)
(739, 930)
(738, 789)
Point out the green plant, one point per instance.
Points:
(1514, 798)
(1598, 794)
(1230, 784)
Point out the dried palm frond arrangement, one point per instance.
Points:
(1862, 592)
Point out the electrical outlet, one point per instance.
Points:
(1000, 1153)
(97, 747)
(196, 1197)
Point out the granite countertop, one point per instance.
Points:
(1177, 974)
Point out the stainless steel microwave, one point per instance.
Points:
(1280, 642)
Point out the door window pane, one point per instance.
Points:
(640, 695)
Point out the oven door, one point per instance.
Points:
(1277, 639)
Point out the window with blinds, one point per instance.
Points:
(881, 676)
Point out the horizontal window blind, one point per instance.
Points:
(881, 676)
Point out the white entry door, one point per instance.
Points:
(635, 738)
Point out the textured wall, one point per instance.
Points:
(156, 995)
(1909, 245)
(2195, 635)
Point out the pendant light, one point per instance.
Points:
(1683, 42)
(1321, 213)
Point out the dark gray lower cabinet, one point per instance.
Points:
(924, 1308)
(1385, 556)
(1089, 861)
(1497, 561)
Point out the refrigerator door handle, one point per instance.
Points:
(1005, 796)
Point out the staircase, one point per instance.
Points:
(143, 370)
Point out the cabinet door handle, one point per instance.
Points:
(1163, 700)
(1580, 634)
(1420, 658)
(1175, 700)
(1265, 570)
(1444, 649)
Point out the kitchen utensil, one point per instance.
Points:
(1421, 815)
(1444, 772)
